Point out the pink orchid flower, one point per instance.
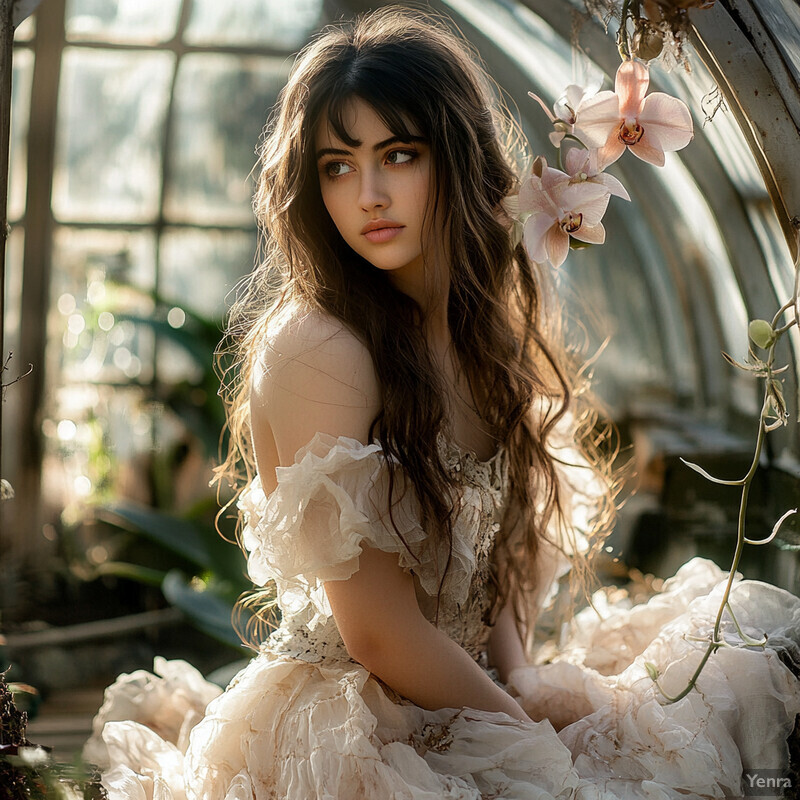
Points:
(560, 209)
(583, 166)
(648, 125)
(563, 114)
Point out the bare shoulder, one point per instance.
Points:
(313, 375)
(314, 346)
(310, 334)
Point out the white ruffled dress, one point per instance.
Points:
(303, 721)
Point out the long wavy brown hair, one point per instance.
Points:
(421, 79)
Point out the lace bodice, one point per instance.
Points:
(333, 500)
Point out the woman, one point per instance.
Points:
(405, 406)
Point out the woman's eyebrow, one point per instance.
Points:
(398, 140)
(334, 151)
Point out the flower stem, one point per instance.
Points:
(623, 38)
(781, 311)
(763, 426)
(712, 646)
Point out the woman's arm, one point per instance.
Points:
(506, 650)
(318, 377)
(382, 627)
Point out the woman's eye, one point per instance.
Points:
(401, 156)
(334, 169)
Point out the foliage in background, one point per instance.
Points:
(26, 769)
(194, 400)
(210, 576)
(218, 578)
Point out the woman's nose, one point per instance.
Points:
(373, 191)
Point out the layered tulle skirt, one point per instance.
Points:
(292, 730)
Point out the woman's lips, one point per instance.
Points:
(379, 235)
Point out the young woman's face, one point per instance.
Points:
(377, 191)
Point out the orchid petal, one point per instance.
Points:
(574, 93)
(543, 105)
(576, 160)
(612, 184)
(529, 191)
(594, 210)
(593, 163)
(574, 196)
(557, 244)
(563, 111)
(648, 152)
(667, 121)
(535, 236)
(534, 198)
(630, 86)
(610, 153)
(567, 104)
(552, 179)
(593, 234)
(588, 199)
(556, 137)
(597, 118)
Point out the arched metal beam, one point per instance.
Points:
(749, 67)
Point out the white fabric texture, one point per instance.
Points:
(303, 721)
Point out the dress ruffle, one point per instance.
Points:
(621, 732)
(292, 730)
(302, 721)
(327, 506)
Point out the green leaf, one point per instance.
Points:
(209, 612)
(708, 476)
(759, 367)
(652, 670)
(195, 541)
(177, 535)
(133, 572)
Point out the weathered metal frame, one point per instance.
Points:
(739, 51)
(6, 51)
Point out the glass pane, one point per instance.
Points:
(198, 271)
(111, 114)
(610, 298)
(221, 103)
(98, 441)
(121, 20)
(264, 23)
(26, 30)
(722, 131)
(20, 119)
(100, 278)
(199, 268)
(699, 220)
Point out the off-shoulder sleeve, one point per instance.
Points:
(327, 506)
